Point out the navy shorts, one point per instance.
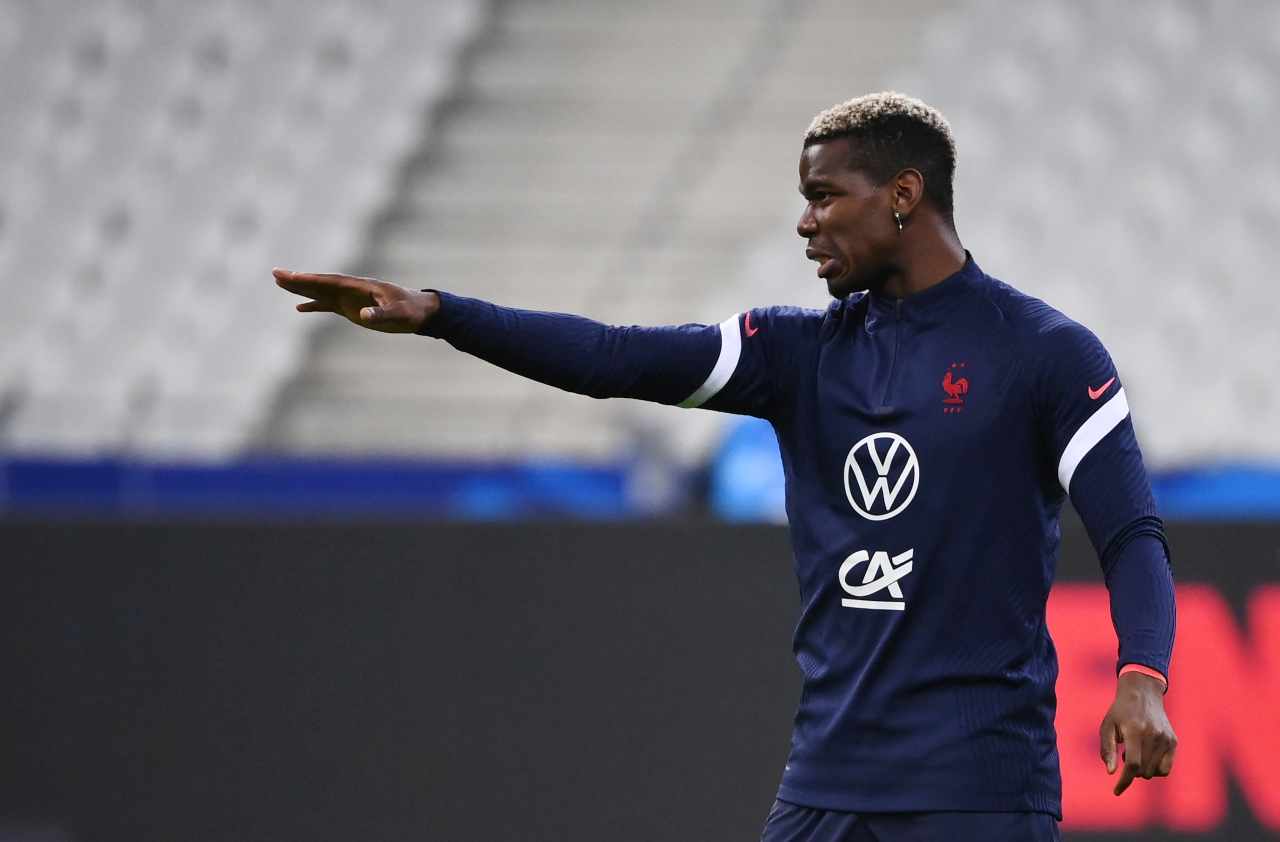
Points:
(792, 823)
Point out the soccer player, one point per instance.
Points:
(932, 420)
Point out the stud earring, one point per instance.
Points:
(897, 217)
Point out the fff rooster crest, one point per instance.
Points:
(955, 387)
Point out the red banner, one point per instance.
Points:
(1224, 702)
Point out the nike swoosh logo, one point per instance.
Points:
(1094, 394)
(751, 331)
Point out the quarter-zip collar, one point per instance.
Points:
(926, 304)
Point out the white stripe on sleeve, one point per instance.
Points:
(1090, 433)
(726, 363)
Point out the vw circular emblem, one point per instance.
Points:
(884, 483)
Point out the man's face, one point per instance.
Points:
(848, 221)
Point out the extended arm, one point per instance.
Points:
(689, 365)
(662, 364)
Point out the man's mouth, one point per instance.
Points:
(827, 265)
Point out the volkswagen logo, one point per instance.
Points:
(886, 475)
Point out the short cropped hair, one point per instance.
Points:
(890, 132)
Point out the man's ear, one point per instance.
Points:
(908, 190)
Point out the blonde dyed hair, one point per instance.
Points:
(891, 132)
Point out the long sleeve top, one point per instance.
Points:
(928, 445)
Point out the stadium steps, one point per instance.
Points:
(613, 159)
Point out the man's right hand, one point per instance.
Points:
(368, 302)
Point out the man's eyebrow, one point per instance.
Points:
(814, 184)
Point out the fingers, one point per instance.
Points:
(385, 316)
(316, 307)
(1107, 744)
(1128, 771)
(1132, 762)
(1166, 763)
(319, 277)
(1160, 764)
(1153, 749)
(314, 285)
(316, 289)
(1147, 754)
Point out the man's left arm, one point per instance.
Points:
(1099, 465)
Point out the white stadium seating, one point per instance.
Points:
(157, 159)
(634, 162)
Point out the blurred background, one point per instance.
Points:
(268, 576)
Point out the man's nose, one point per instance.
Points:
(807, 226)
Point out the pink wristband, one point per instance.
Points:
(1139, 668)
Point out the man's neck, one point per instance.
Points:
(933, 254)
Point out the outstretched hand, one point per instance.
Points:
(1137, 721)
(368, 302)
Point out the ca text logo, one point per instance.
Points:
(881, 475)
(881, 574)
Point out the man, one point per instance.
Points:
(931, 422)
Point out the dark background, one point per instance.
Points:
(224, 681)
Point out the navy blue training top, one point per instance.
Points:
(928, 445)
